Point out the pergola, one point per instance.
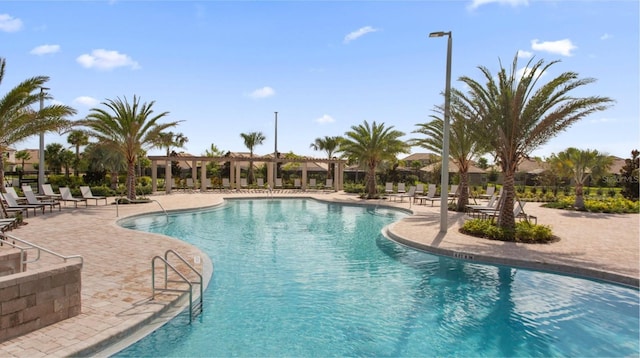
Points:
(235, 168)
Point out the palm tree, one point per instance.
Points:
(169, 140)
(127, 127)
(517, 114)
(251, 140)
(18, 121)
(330, 145)
(102, 159)
(77, 139)
(53, 157)
(580, 165)
(23, 155)
(464, 145)
(370, 145)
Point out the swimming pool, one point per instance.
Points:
(298, 277)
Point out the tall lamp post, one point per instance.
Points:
(444, 179)
(41, 151)
(275, 153)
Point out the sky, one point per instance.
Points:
(223, 68)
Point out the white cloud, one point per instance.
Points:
(605, 36)
(524, 54)
(359, 32)
(263, 92)
(106, 60)
(9, 24)
(477, 3)
(560, 47)
(86, 101)
(325, 119)
(45, 50)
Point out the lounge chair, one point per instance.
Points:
(410, 194)
(490, 205)
(329, 185)
(33, 200)
(489, 193)
(420, 189)
(190, 184)
(388, 188)
(297, 184)
(401, 188)
(66, 196)
(19, 199)
(312, 183)
(12, 203)
(87, 194)
(226, 184)
(48, 191)
(518, 213)
(454, 191)
(260, 183)
(431, 196)
(243, 183)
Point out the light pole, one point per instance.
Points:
(41, 151)
(444, 179)
(275, 153)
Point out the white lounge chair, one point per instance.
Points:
(278, 184)
(48, 191)
(420, 189)
(12, 203)
(410, 194)
(328, 186)
(12, 192)
(401, 188)
(66, 196)
(312, 183)
(388, 188)
(33, 200)
(87, 194)
(431, 195)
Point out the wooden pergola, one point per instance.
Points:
(235, 169)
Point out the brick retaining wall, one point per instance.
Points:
(37, 298)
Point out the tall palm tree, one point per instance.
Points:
(580, 165)
(127, 127)
(370, 145)
(330, 145)
(517, 114)
(102, 159)
(18, 121)
(251, 140)
(53, 157)
(464, 145)
(77, 139)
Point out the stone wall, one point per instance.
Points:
(10, 262)
(37, 298)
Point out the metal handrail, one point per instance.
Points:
(185, 280)
(190, 283)
(4, 239)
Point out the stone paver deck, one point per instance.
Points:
(116, 274)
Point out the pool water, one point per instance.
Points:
(298, 277)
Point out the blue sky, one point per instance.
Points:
(225, 67)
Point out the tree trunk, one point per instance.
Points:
(579, 203)
(131, 180)
(371, 183)
(506, 220)
(463, 197)
(2, 189)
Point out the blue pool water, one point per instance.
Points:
(302, 278)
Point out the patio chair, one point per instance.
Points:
(401, 188)
(48, 191)
(12, 192)
(490, 205)
(312, 183)
(87, 194)
(329, 185)
(260, 183)
(297, 184)
(278, 184)
(33, 200)
(388, 188)
(66, 196)
(190, 184)
(489, 193)
(243, 183)
(420, 189)
(12, 203)
(226, 184)
(410, 194)
(454, 191)
(431, 196)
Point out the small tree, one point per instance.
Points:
(629, 176)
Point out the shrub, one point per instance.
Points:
(606, 205)
(525, 232)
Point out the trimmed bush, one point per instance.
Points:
(525, 232)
